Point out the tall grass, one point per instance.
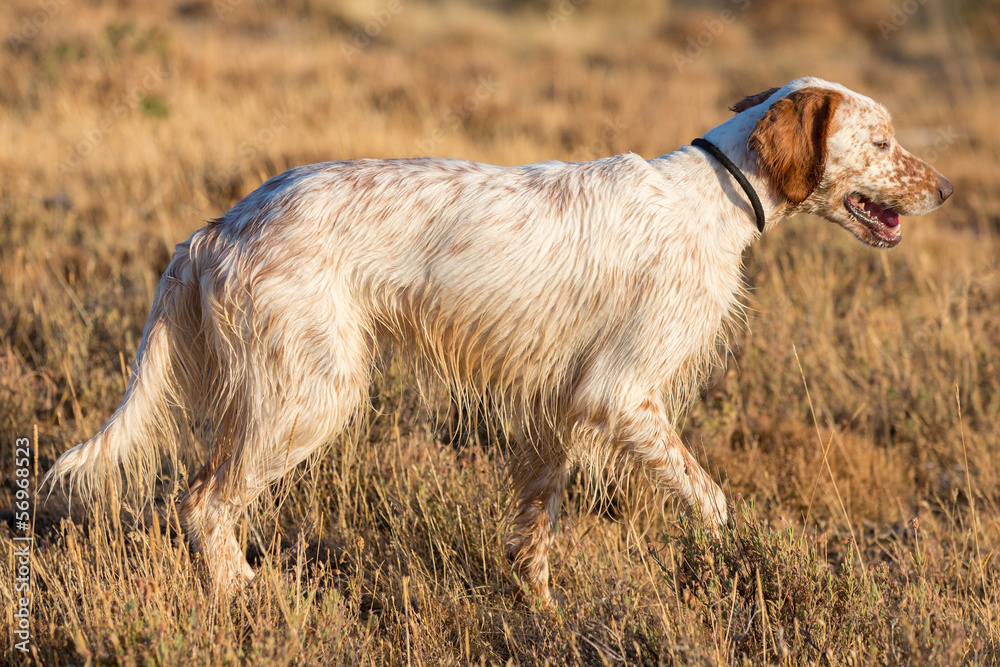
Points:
(868, 516)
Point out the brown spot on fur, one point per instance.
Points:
(457, 248)
(600, 414)
(790, 141)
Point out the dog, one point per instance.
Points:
(583, 301)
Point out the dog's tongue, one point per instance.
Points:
(886, 216)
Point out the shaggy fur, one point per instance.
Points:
(582, 300)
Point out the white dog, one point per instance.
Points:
(584, 299)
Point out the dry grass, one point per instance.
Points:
(876, 506)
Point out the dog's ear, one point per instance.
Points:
(790, 141)
(752, 100)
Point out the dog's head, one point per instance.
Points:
(830, 151)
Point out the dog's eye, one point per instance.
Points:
(882, 145)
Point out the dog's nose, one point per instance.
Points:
(945, 188)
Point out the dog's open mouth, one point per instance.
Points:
(881, 221)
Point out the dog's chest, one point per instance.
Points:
(699, 292)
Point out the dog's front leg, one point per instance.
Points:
(648, 439)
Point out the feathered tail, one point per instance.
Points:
(126, 452)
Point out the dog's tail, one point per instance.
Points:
(126, 452)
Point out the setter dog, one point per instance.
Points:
(583, 301)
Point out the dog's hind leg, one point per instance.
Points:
(538, 479)
(297, 394)
(209, 521)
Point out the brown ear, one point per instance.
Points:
(790, 141)
(752, 100)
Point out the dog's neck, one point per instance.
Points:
(733, 224)
(716, 152)
(731, 138)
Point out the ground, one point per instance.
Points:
(855, 423)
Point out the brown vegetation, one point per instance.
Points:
(861, 416)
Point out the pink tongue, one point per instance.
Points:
(887, 216)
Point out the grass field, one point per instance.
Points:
(857, 421)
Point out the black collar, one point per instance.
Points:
(714, 151)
